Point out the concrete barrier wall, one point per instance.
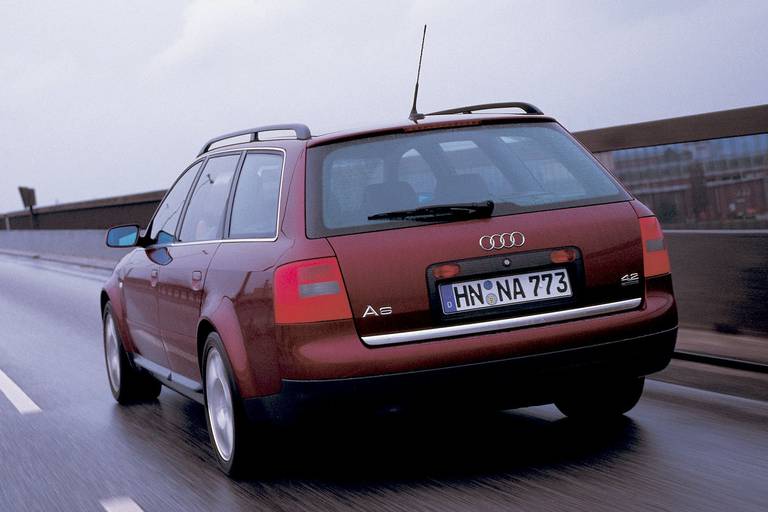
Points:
(93, 214)
(720, 277)
(83, 246)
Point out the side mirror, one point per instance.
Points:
(123, 236)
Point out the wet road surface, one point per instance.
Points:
(679, 449)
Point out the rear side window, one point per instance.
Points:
(257, 195)
(204, 219)
(167, 217)
(520, 167)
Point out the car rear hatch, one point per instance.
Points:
(561, 236)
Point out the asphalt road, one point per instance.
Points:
(679, 449)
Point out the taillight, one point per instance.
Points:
(655, 256)
(310, 291)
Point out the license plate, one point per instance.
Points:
(495, 292)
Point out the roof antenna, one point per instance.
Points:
(415, 116)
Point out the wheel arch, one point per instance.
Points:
(253, 375)
(204, 328)
(103, 300)
(110, 294)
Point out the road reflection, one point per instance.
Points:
(391, 447)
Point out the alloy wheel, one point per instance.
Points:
(112, 348)
(220, 409)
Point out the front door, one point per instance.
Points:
(140, 290)
(140, 299)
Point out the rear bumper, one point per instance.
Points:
(512, 382)
(334, 350)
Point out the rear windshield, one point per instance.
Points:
(520, 167)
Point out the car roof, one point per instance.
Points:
(428, 123)
(434, 122)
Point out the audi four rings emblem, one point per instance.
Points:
(502, 241)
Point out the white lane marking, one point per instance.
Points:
(16, 396)
(120, 504)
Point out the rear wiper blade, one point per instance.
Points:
(437, 211)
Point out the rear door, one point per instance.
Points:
(562, 234)
(181, 280)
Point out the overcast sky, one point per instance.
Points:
(107, 98)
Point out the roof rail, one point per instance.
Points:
(301, 130)
(526, 107)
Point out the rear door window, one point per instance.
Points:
(257, 196)
(521, 167)
(204, 219)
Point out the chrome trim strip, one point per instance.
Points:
(217, 241)
(264, 149)
(504, 323)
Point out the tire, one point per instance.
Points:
(127, 383)
(606, 399)
(228, 427)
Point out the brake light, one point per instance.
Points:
(449, 124)
(655, 256)
(310, 291)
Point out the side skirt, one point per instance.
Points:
(172, 380)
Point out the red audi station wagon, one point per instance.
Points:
(460, 260)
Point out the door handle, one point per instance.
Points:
(197, 280)
(153, 278)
